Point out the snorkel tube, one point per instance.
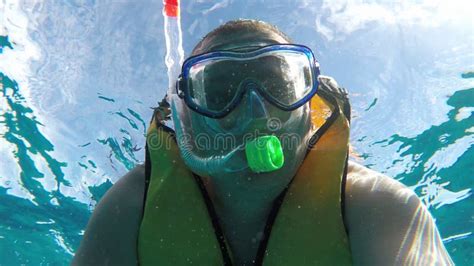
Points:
(263, 154)
(174, 59)
(174, 41)
(201, 165)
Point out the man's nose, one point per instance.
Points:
(257, 108)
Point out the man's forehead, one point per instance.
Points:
(239, 40)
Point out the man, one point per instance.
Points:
(256, 172)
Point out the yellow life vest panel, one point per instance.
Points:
(305, 226)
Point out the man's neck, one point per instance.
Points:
(242, 210)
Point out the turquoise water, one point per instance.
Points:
(79, 79)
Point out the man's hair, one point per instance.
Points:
(241, 25)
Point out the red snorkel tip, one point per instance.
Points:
(171, 8)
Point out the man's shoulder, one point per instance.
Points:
(132, 185)
(127, 194)
(116, 219)
(361, 179)
(387, 223)
(369, 194)
(133, 180)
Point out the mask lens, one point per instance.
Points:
(288, 77)
(213, 85)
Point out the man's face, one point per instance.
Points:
(254, 116)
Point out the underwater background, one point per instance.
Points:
(78, 80)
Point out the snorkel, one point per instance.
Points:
(263, 154)
(173, 39)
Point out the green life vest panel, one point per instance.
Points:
(305, 227)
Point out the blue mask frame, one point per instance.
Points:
(183, 92)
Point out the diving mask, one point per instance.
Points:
(214, 83)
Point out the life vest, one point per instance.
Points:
(305, 226)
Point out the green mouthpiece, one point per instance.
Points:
(264, 154)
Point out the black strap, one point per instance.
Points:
(316, 136)
(330, 94)
(147, 177)
(215, 221)
(147, 183)
(262, 248)
(343, 196)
